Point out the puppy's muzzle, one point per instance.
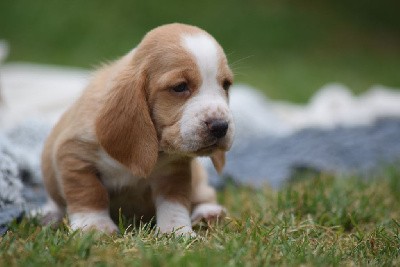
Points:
(217, 127)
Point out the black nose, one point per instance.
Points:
(218, 128)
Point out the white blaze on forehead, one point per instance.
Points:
(210, 100)
(205, 51)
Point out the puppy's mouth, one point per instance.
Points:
(207, 149)
(210, 145)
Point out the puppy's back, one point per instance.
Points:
(75, 126)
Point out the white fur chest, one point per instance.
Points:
(113, 174)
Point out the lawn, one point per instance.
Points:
(322, 220)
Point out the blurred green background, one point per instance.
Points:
(288, 49)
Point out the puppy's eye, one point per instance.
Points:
(182, 87)
(226, 85)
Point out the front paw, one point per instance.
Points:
(99, 221)
(177, 231)
(207, 211)
(173, 218)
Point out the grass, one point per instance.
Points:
(319, 221)
(288, 49)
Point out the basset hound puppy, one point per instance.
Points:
(130, 142)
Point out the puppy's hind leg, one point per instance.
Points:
(86, 197)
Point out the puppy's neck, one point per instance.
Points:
(165, 158)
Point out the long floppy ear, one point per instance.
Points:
(218, 160)
(124, 127)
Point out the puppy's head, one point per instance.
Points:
(170, 95)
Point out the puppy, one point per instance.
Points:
(131, 140)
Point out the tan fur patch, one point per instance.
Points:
(80, 183)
